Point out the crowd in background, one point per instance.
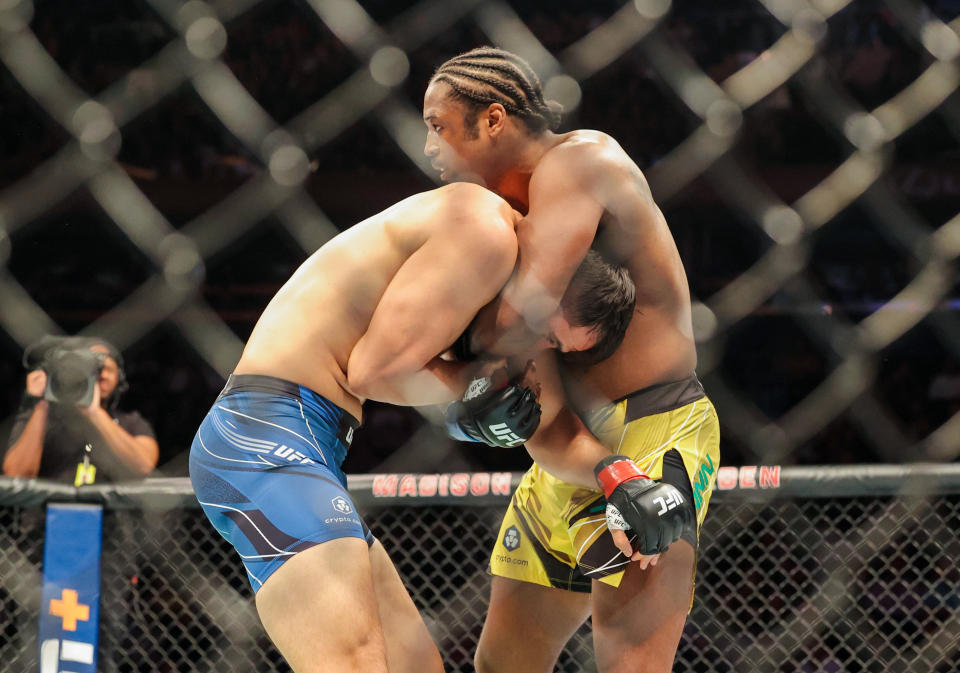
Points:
(287, 59)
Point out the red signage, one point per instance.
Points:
(458, 484)
(748, 477)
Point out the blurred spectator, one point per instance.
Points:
(68, 427)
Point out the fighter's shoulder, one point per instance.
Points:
(469, 211)
(468, 190)
(477, 204)
(585, 154)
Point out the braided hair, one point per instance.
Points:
(488, 75)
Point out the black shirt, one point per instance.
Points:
(68, 433)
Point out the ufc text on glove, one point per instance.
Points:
(655, 510)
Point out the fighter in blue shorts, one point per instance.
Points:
(367, 316)
(264, 425)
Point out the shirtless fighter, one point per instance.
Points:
(555, 561)
(366, 316)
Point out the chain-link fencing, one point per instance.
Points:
(858, 574)
(377, 59)
(867, 584)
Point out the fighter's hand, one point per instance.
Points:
(495, 412)
(655, 511)
(36, 383)
(622, 542)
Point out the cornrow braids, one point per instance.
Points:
(488, 75)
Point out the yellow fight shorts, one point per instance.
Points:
(555, 533)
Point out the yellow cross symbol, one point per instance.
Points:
(68, 609)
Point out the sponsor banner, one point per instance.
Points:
(748, 477)
(456, 484)
(69, 614)
(452, 486)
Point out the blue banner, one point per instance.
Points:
(70, 608)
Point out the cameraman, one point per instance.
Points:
(72, 431)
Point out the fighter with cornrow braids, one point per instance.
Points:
(486, 75)
(607, 519)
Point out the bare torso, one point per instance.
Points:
(310, 327)
(659, 344)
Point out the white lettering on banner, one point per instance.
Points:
(428, 485)
(480, 483)
(729, 477)
(385, 485)
(71, 650)
(459, 483)
(500, 483)
(52, 652)
(50, 656)
(769, 476)
(726, 478)
(408, 485)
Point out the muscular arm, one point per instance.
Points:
(554, 238)
(562, 445)
(137, 452)
(25, 451)
(426, 306)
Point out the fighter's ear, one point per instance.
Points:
(496, 119)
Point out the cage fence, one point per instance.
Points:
(822, 569)
(635, 35)
(867, 584)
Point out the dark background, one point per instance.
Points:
(77, 265)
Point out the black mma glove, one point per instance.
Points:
(656, 511)
(504, 416)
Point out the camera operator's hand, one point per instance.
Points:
(94, 406)
(36, 383)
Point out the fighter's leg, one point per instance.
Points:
(410, 648)
(320, 610)
(527, 626)
(637, 627)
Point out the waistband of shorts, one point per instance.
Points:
(662, 397)
(257, 383)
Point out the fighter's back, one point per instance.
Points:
(659, 345)
(309, 329)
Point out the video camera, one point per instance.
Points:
(72, 368)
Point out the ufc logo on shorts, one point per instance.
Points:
(503, 432)
(668, 503)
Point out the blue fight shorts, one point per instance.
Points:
(265, 466)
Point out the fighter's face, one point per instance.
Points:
(455, 147)
(565, 336)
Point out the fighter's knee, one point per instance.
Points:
(485, 662)
(367, 652)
